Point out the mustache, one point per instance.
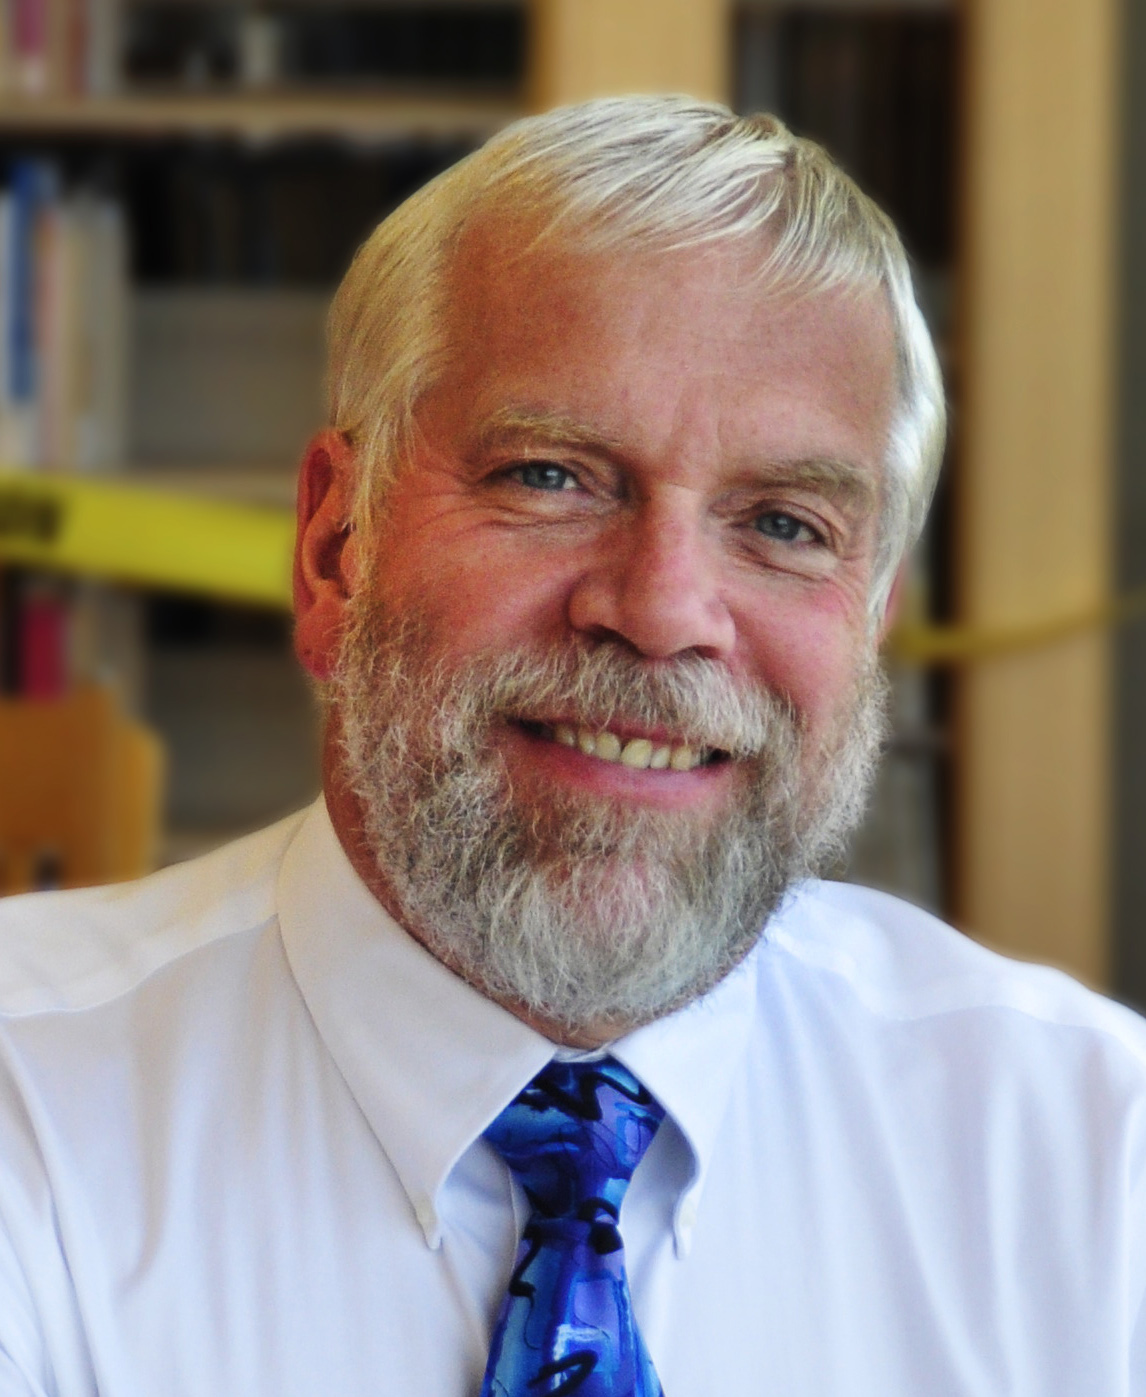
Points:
(603, 686)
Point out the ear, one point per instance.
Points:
(894, 601)
(325, 571)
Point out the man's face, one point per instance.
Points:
(655, 454)
(633, 474)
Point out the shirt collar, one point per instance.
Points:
(431, 1062)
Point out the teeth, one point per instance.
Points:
(639, 753)
(608, 746)
(683, 758)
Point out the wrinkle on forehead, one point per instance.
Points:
(512, 292)
(501, 243)
(665, 319)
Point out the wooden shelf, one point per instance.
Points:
(262, 116)
(850, 6)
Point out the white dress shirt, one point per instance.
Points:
(240, 1113)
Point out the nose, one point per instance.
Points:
(654, 585)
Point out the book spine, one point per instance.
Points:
(6, 258)
(27, 196)
(74, 42)
(101, 335)
(44, 293)
(30, 46)
(63, 324)
(101, 76)
(43, 643)
(7, 80)
(56, 334)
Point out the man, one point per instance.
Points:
(633, 419)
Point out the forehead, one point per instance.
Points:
(643, 347)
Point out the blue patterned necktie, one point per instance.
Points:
(572, 1139)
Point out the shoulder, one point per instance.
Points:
(75, 950)
(903, 964)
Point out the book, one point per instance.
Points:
(58, 48)
(43, 640)
(63, 339)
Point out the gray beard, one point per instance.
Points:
(583, 910)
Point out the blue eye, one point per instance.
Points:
(785, 528)
(545, 475)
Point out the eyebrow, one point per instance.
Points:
(507, 424)
(830, 476)
(827, 475)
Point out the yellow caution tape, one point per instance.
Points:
(147, 536)
(956, 645)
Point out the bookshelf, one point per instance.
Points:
(256, 117)
(1028, 776)
(1044, 815)
(140, 527)
(241, 198)
(876, 84)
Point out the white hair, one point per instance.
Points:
(654, 173)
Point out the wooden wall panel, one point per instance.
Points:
(590, 48)
(1129, 892)
(1032, 771)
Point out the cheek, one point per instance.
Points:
(475, 595)
(810, 657)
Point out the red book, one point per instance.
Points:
(43, 657)
(30, 45)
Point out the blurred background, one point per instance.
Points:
(185, 181)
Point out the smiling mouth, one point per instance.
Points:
(637, 753)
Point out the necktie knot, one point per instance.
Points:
(574, 1136)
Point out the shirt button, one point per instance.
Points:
(688, 1214)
